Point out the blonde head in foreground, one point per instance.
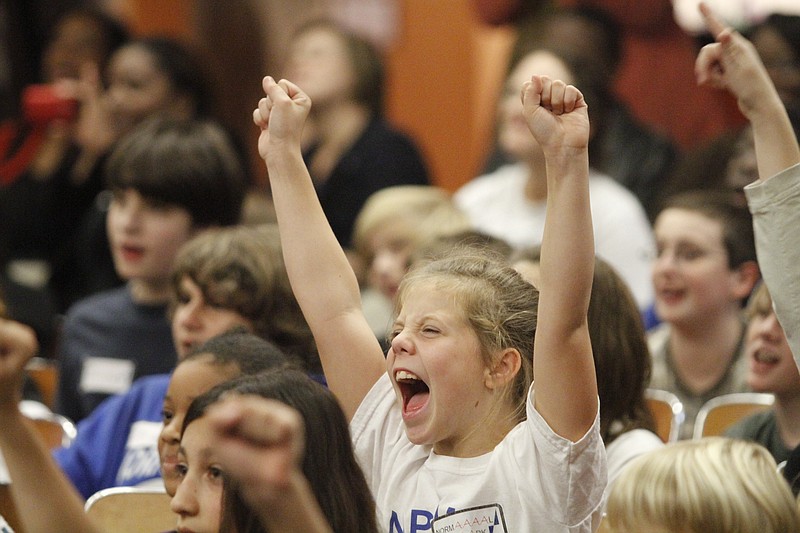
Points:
(713, 485)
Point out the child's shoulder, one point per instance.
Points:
(498, 181)
(111, 300)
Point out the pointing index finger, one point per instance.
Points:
(714, 25)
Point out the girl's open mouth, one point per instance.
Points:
(415, 392)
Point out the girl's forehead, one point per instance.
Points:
(426, 297)
(196, 434)
(194, 376)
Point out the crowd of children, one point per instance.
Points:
(419, 367)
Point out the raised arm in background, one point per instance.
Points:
(774, 199)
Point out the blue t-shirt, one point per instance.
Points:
(117, 445)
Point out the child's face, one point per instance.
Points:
(189, 380)
(692, 280)
(772, 367)
(514, 136)
(438, 374)
(137, 88)
(392, 250)
(145, 235)
(195, 320)
(319, 63)
(198, 499)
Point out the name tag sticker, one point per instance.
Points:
(486, 519)
(106, 376)
(5, 479)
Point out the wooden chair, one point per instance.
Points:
(45, 374)
(131, 510)
(668, 413)
(717, 414)
(56, 430)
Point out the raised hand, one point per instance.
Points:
(281, 114)
(260, 443)
(95, 130)
(557, 115)
(732, 63)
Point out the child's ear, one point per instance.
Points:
(505, 369)
(746, 276)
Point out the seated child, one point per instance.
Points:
(168, 180)
(772, 369)
(712, 485)
(223, 278)
(447, 426)
(311, 482)
(704, 271)
(392, 224)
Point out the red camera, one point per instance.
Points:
(42, 104)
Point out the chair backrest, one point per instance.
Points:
(131, 510)
(45, 374)
(56, 430)
(667, 410)
(717, 414)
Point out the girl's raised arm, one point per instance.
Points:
(566, 384)
(321, 276)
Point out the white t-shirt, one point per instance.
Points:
(496, 204)
(627, 447)
(534, 480)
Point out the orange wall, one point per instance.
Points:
(444, 72)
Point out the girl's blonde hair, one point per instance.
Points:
(498, 304)
(426, 212)
(712, 485)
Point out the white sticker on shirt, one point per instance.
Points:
(486, 519)
(5, 478)
(106, 376)
(141, 459)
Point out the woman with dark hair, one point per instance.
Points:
(352, 150)
(311, 482)
(777, 41)
(53, 216)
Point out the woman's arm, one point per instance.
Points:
(320, 274)
(566, 384)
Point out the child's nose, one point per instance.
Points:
(129, 217)
(402, 343)
(170, 433)
(665, 261)
(188, 315)
(184, 503)
(770, 327)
